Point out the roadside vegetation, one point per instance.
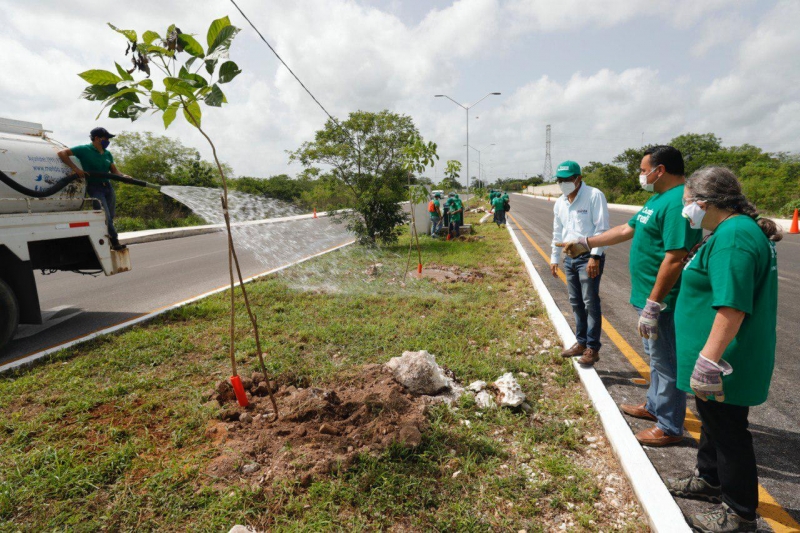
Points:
(114, 434)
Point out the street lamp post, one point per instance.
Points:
(479, 161)
(466, 108)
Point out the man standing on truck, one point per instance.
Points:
(95, 157)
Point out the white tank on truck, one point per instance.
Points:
(28, 158)
(46, 223)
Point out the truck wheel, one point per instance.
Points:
(9, 313)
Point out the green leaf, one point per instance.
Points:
(119, 109)
(193, 108)
(149, 36)
(216, 97)
(147, 84)
(153, 49)
(135, 111)
(211, 64)
(228, 71)
(195, 80)
(123, 73)
(100, 77)
(126, 93)
(222, 42)
(190, 62)
(170, 113)
(99, 92)
(159, 99)
(190, 45)
(215, 27)
(179, 86)
(130, 34)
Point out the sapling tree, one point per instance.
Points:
(192, 74)
(417, 156)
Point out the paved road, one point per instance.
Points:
(774, 424)
(164, 273)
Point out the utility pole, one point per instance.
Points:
(548, 165)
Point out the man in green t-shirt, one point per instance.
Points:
(661, 239)
(499, 210)
(95, 157)
(436, 215)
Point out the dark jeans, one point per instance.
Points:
(455, 227)
(584, 297)
(500, 217)
(726, 457)
(106, 198)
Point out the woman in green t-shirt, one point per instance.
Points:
(725, 320)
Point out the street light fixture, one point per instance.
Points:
(466, 108)
(479, 161)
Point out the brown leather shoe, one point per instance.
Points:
(576, 349)
(589, 357)
(655, 437)
(637, 411)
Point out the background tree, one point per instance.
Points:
(365, 155)
(452, 171)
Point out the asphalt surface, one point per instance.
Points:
(163, 273)
(773, 424)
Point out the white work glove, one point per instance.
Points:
(648, 320)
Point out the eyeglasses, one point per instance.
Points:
(687, 201)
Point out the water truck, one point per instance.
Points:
(46, 222)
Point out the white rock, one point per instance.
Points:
(250, 468)
(418, 373)
(456, 473)
(546, 343)
(511, 394)
(477, 386)
(240, 529)
(484, 400)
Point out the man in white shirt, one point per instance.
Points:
(582, 211)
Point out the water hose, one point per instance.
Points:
(63, 182)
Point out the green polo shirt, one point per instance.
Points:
(459, 217)
(737, 267)
(659, 228)
(93, 161)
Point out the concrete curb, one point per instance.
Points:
(33, 357)
(151, 235)
(784, 223)
(663, 514)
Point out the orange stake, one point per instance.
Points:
(315, 212)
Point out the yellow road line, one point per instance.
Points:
(769, 509)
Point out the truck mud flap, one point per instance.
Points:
(120, 261)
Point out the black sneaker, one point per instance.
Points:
(721, 519)
(116, 246)
(695, 487)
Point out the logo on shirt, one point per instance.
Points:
(583, 211)
(644, 215)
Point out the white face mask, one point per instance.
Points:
(649, 187)
(694, 214)
(567, 187)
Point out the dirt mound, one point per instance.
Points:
(320, 429)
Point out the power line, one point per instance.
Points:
(284, 63)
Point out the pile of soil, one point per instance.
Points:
(319, 429)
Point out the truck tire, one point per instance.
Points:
(9, 313)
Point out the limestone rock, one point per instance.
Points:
(484, 400)
(477, 386)
(418, 373)
(509, 392)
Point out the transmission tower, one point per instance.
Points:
(547, 174)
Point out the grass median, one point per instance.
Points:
(113, 434)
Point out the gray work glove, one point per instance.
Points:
(707, 378)
(648, 320)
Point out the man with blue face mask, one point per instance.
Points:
(581, 211)
(95, 157)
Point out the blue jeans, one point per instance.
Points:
(105, 196)
(436, 225)
(664, 400)
(584, 297)
(500, 217)
(455, 227)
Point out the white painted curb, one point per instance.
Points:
(149, 316)
(663, 514)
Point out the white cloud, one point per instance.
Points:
(721, 30)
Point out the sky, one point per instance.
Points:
(605, 74)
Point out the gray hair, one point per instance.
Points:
(719, 186)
